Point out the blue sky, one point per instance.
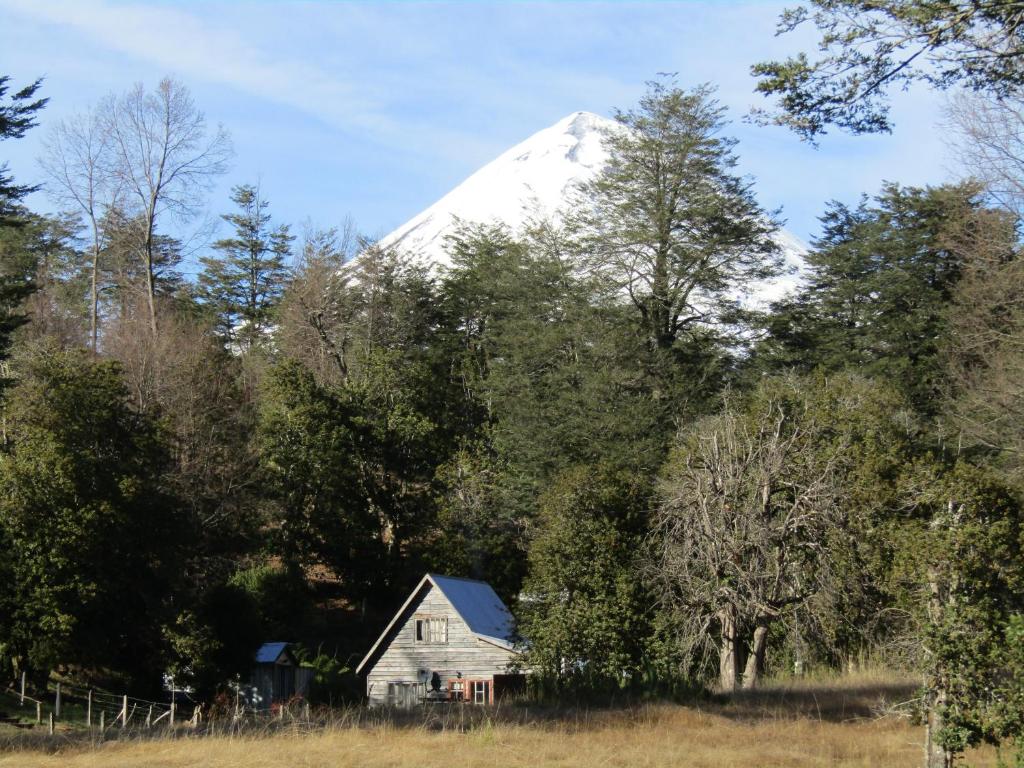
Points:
(374, 110)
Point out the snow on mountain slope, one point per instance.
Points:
(536, 177)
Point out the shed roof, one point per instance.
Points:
(269, 653)
(475, 602)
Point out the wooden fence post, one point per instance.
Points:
(149, 717)
(51, 723)
(56, 709)
(88, 709)
(103, 714)
(124, 711)
(22, 702)
(39, 712)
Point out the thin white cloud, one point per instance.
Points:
(179, 42)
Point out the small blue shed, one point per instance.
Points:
(276, 676)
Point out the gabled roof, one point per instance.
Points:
(474, 601)
(269, 653)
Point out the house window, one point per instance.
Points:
(432, 631)
(480, 691)
(456, 689)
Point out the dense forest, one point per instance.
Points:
(671, 488)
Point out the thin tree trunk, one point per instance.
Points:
(94, 298)
(150, 281)
(727, 651)
(755, 660)
(935, 755)
(940, 596)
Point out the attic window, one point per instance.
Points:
(432, 631)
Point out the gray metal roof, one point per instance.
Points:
(479, 606)
(269, 653)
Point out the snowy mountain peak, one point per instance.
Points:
(536, 178)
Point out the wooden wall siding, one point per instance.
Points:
(403, 658)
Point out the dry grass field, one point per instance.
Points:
(835, 723)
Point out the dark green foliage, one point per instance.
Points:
(214, 642)
(350, 468)
(881, 284)
(310, 444)
(283, 601)
(967, 554)
(670, 222)
(17, 273)
(549, 356)
(243, 283)
(19, 260)
(870, 48)
(480, 530)
(333, 681)
(586, 614)
(94, 541)
(17, 116)
(123, 275)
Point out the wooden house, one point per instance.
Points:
(276, 676)
(452, 640)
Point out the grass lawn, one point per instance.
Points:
(845, 722)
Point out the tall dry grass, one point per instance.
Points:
(837, 723)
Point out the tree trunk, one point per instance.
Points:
(150, 283)
(94, 298)
(727, 651)
(935, 755)
(151, 280)
(755, 660)
(940, 594)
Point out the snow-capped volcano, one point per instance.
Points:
(536, 178)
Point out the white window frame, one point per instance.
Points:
(480, 691)
(431, 630)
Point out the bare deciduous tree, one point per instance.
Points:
(988, 137)
(77, 160)
(986, 353)
(164, 159)
(740, 535)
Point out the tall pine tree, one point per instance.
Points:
(17, 115)
(244, 281)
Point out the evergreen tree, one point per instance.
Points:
(587, 616)
(882, 281)
(93, 538)
(242, 285)
(671, 224)
(962, 554)
(867, 49)
(17, 115)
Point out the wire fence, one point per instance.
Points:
(74, 706)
